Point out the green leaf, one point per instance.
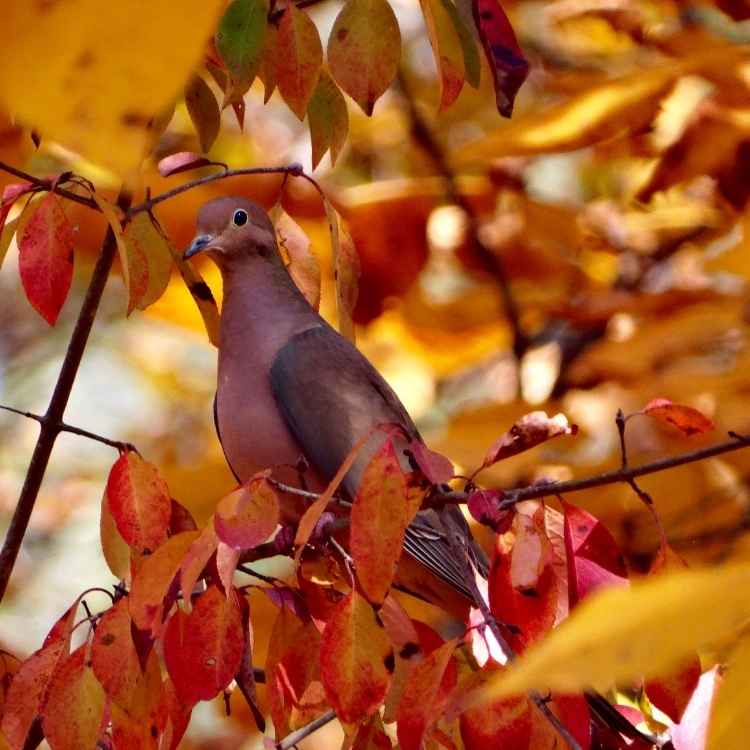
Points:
(472, 64)
(239, 42)
(299, 59)
(203, 110)
(364, 50)
(329, 119)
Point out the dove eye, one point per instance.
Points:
(239, 218)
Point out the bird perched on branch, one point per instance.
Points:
(289, 386)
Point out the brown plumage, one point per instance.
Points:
(289, 386)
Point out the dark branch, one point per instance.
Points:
(44, 184)
(52, 421)
(294, 737)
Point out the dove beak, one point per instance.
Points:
(197, 245)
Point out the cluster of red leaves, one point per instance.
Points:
(183, 632)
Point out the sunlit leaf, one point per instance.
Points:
(97, 53)
(303, 266)
(356, 659)
(249, 515)
(203, 650)
(114, 548)
(622, 634)
(195, 560)
(139, 501)
(182, 161)
(74, 711)
(204, 111)
(329, 119)
(686, 419)
(45, 257)
(300, 56)
(239, 42)
(364, 50)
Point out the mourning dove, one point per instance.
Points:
(290, 386)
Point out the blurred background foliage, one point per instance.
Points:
(614, 203)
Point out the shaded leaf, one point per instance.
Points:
(114, 658)
(300, 56)
(687, 420)
(364, 50)
(328, 118)
(425, 696)
(154, 578)
(182, 161)
(73, 714)
(139, 501)
(303, 265)
(203, 650)
(9, 665)
(371, 736)
(239, 42)
(269, 56)
(378, 523)
(594, 559)
(45, 257)
(91, 88)
(249, 515)
(620, 634)
(203, 110)
(435, 467)
(505, 58)
(529, 431)
(484, 506)
(356, 659)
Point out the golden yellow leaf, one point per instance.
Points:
(730, 718)
(623, 634)
(96, 87)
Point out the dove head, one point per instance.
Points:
(230, 230)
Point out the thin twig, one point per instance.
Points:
(290, 490)
(119, 445)
(492, 263)
(53, 419)
(44, 184)
(294, 737)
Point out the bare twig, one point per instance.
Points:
(120, 445)
(290, 490)
(492, 263)
(45, 184)
(294, 737)
(53, 419)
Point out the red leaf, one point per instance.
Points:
(594, 559)
(507, 63)
(436, 468)
(425, 696)
(10, 194)
(178, 716)
(484, 506)
(195, 560)
(523, 585)
(74, 712)
(203, 650)
(573, 711)
(529, 431)
(356, 659)
(503, 723)
(378, 523)
(139, 501)
(46, 257)
(152, 582)
(292, 669)
(372, 736)
(687, 420)
(9, 666)
(672, 693)
(248, 516)
(114, 658)
(181, 162)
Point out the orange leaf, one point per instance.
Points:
(139, 501)
(364, 50)
(446, 47)
(425, 696)
(356, 659)
(9, 666)
(114, 658)
(195, 560)
(528, 432)
(203, 110)
(203, 650)
(300, 56)
(303, 265)
(371, 736)
(114, 548)
(74, 712)
(378, 523)
(46, 257)
(249, 515)
(226, 563)
(153, 580)
(687, 420)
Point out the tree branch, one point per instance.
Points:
(52, 422)
(294, 737)
(44, 184)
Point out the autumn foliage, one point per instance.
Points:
(567, 342)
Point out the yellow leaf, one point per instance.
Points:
(623, 634)
(96, 87)
(730, 718)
